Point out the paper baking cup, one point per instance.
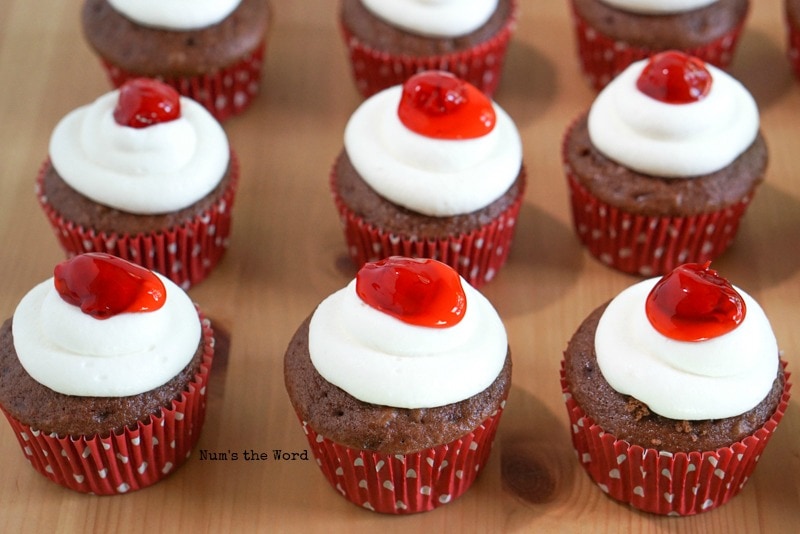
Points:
(602, 57)
(186, 254)
(649, 245)
(133, 459)
(481, 65)
(663, 482)
(405, 483)
(224, 92)
(793, 44)
(477, 256)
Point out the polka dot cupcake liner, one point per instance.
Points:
(225, 92)
(481, 65)
(186, 254)
(661, 482)
(602, 57)
(649, 245)
(793, 44)
(405, 483)
(477, 256)
(133, 459)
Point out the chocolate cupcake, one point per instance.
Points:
(673, 390)
(421, 179)
(153, 187)
(104, 374)
(661, 170)
(211, 51)
(401, 437)
(389, 40)
(612, 34)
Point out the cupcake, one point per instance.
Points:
(673, 389)
(664, 165)
(211, 51)
(389, 40)
(431, 168)
(104, 374)
(144, 174)
(399, 380)
(612, 34)
(792, 20)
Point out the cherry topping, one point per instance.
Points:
(103, 285)
(675, 78)
(145, 101)
(440, 105)
(422, 292)
(694, 303)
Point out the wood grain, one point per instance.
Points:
(287, 254)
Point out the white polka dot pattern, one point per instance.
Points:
(662, 482)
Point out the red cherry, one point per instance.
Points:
(145, 101)
(693, 303)
(675, 78)
(437, 104)
(103, 285)
(420, 292)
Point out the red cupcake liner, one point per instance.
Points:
(661, 482)
(649, 245)
(793, 43)
(186, 254)
(477, 256)
(224, 92)
(481, 65)
(405, 483)
(602, 57)
(133, 459)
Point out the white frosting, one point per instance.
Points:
(75, 354)
(673, 140)
(157, 169)
(176, 14)
(382, 360)
(649, 7)
(436, 177)
(434, 18)
(712, 379)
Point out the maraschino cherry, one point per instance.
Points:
(438, 104)
(675, 78)
(144, 102)
(103, 285)
(694, 303)
(422, 292)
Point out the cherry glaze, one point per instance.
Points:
(694, 303)
(675, 78)
(421, 292)
(438, 104)
(103, 285)
(144, 102)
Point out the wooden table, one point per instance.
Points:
(287, 253)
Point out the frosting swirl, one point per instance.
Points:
(75, 354)
(158, 169)
(669, 140)
(720, 377)
(436, 177)
(434, 18)
(176, 14)
(382, 360)
(650, 7)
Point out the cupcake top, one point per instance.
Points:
(176, 14)
(673, 116)
(434, 18)
(689, 345)
(141, 149)
(104, 327)
(408, 333)
(435, 145)
(655, 7)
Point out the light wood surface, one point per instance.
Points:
(287, 253)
